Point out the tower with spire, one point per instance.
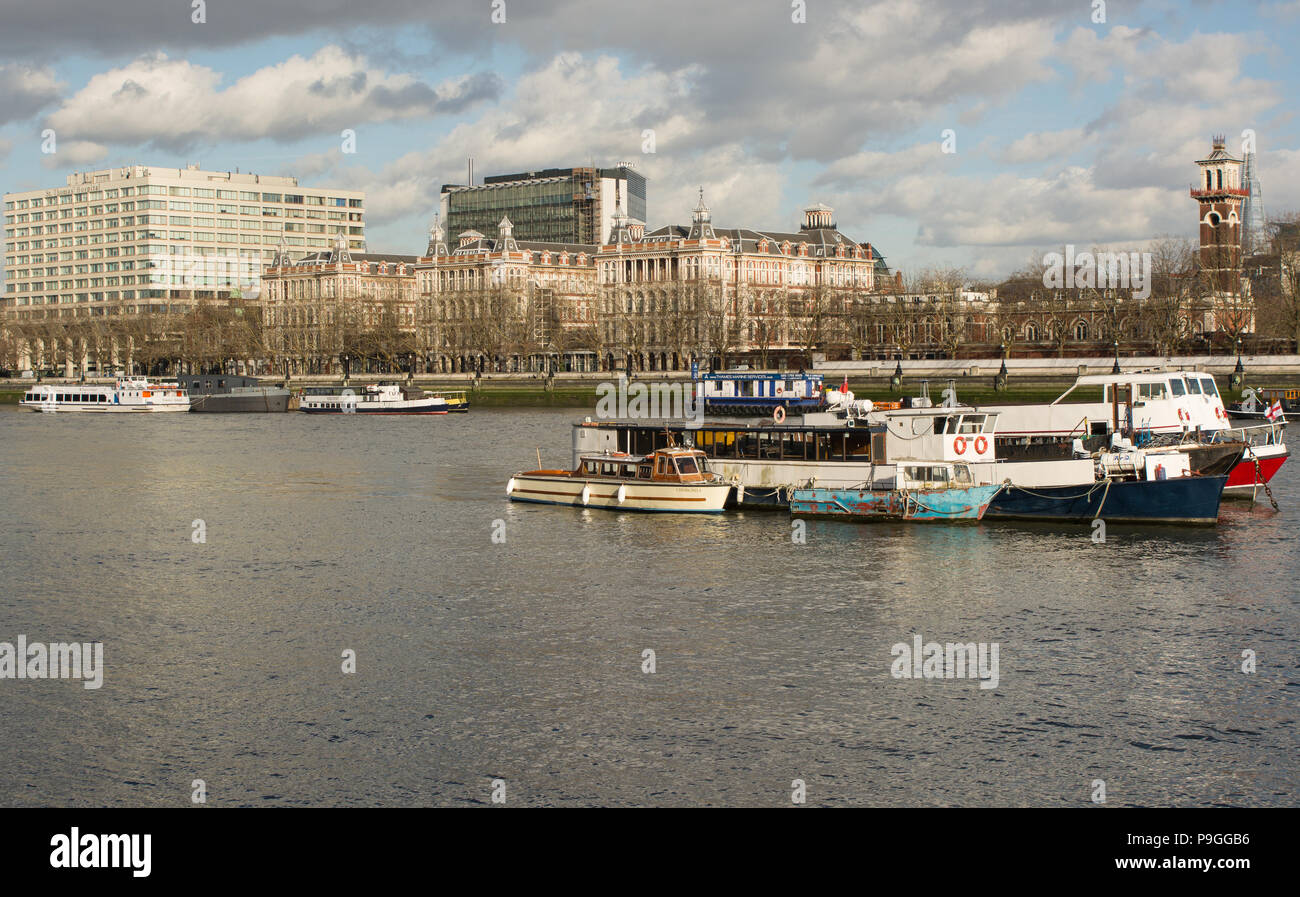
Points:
(506, 239)
(437, 239)
(1253, 237)
(701, 221)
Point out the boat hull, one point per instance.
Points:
(560, 489)
(926, 506)
(1181, 500)
(230, 403)
(106, 408)
(1244, 479)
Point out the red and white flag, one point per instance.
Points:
(1274, 411)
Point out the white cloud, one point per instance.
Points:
(176, 104)
(26, 90)
(1044, 145)
(74, 152)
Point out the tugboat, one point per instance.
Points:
(375, 398)
(673, 479)
(226, 393)
(922, 491)
(127, 395)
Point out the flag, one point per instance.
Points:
(1274, 411)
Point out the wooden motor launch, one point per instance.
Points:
(674, 479)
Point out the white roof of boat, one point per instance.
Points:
(1129, 376)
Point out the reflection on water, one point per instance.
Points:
(522, 660)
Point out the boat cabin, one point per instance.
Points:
(670, 465)
(929, 475)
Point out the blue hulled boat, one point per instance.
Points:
(926, 491)
(1190, 499)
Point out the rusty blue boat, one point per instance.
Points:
(925, 492)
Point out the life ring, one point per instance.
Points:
(778, 414)
(981, 445)
(959, 445)
(779, 389)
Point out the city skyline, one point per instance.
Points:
(1065, 129)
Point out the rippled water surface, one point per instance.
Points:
(522, 660)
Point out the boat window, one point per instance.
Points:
(661, 466)
(940, 426)
(1151, 391)
(1210, 388)
(702, 463)
(1194, 386)
(629, 470)
(686, 465)
(972, 423)
(644, 471)
(961, 474)
(609, 469)
(1176, 388)
(859, 445)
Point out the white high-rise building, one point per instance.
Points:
(143, 239)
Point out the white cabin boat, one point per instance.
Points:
(127, 395)
(1151, 407)
(673, 479)
(374, 398)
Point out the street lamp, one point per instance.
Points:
(1115, 369)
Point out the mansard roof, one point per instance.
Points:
(326, 257)
(536, 247)
(822, 241)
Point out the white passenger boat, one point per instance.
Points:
(374, 398)
(673, 479)
(1150, 407)
(127, 395)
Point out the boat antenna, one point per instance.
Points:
(539, 457)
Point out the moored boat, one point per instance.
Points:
(673, 479)
(127, 395)
(759, 392)
(228, 393)
(373, 398)
(1151, 407)
(922, 491)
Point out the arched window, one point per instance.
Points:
(1081, 330)
(1031, 332)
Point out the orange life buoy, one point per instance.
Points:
(778, 414)
(981, 445)
(959, 445)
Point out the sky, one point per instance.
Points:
(975, 134)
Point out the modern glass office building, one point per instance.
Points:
(557, 205)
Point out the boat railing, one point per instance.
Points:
(1256, 434)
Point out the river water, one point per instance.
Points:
(520, 659)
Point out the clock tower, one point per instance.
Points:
(1220, 193)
